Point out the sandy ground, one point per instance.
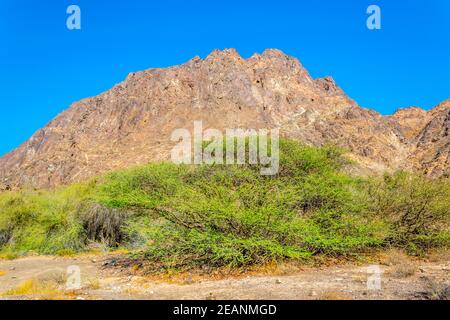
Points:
(400, 278)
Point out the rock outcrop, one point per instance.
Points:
(132, 123)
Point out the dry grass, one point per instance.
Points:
(195, 275)
(334, 295)
(132, 291)
(392, 257)
(438, 255)
(43, 289)
(66, 253)
(56, 277)
(93, 284)
(404, 270)
(8, 256)
(401, 265)
(2, 273)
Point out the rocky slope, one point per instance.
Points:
(431, 141)
(132, 122)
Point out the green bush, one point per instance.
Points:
(417, 209)
(43, 222)
(183, 217)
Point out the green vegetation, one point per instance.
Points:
(182, 217)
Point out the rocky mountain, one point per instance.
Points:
(429, 136)
(132, 122)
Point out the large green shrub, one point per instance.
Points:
(417, 209)
(182, 217)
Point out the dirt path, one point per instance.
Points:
(46, 278)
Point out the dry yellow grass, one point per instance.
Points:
(401, 266)
(45, 290)
(438, 255)
(8, 255)
(404, 270)
(132, 291)
(94, 284)
(2, 273)
(334, 295)
(196, 275)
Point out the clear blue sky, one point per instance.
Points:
(45, 67)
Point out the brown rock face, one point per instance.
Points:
(431, 152)
(132, 122)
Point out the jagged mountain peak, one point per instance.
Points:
(132, 122)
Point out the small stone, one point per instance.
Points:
(278, 281)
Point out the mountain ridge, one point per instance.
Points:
(131, 123)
